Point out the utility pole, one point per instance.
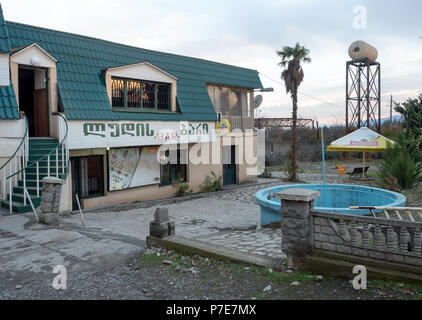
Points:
(317, 127)
(391, 112)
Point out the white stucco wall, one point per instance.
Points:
(4, 69)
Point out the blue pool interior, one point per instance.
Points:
(339, 198)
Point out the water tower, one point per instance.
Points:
(363, 87)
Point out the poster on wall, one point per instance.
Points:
(133, 167)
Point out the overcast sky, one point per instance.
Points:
(247, 33)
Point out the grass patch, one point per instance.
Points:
(152, 259)
(285, 278)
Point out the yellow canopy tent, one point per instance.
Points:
(362, 140)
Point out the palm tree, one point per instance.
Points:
(293, 76)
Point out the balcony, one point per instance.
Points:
(240, 122)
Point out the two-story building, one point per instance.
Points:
(120, 124)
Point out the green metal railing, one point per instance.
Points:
(35, 164)
(18, 160)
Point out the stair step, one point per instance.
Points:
(44, 169)
(42, 139)
(17, 207)
(33, 176)
(36, 157)
(32, 190)
(44, 164)
(49, 146)
(43, 151)
(30, 183)
(19, 197)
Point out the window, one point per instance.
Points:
(175, 170)
(230, 101)
(137, 94)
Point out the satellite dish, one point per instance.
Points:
(257, 101)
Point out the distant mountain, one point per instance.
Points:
(387, 119)
(396, 117)
(383, 120)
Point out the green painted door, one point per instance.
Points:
(229, 165)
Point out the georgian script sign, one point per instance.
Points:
(93, 134)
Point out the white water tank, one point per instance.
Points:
(362, 50)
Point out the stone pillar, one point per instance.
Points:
(50, 200)
(161, 227)
(296, 224)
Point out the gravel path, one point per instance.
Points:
(195, 278)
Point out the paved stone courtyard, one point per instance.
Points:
(229, 218)
(263, 242)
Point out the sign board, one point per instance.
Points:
(133, 167)
(223, 127)
(103, 134)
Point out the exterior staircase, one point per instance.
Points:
(38, 148)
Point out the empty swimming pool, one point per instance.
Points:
(339, 198)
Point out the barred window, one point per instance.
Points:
(163, 96)
(117, 93)
(137, 94)
(148, 95)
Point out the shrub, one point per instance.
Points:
(400, 165)
(183, 189)
(266, 174)
(211, 183)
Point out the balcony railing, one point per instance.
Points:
(239, 122)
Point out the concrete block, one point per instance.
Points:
(171, 228)
(320, 221)
(335, 240)
(317, 229)
(329, 246)
(52, 181)
(295, 209)
(317, 245)
(416, 261)
(297, 194)
(47, 197)
(360, 252)
(153, 242)
(377, 255)
(302, 232)
(320, 237)
(56, 207)
(344, 249)
(161, 215)
(395, 257)
(48, 187)
(159, 230)
(46, 207)
(296, 246)
(328, 230)
(49, 218)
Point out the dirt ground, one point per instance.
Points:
(168, 275)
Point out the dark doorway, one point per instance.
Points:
(33, 101)
(229, 165)
(87, 178)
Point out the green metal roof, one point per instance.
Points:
(8, 104)
(4, 36)
(81, 83)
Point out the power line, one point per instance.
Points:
(305, 94)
